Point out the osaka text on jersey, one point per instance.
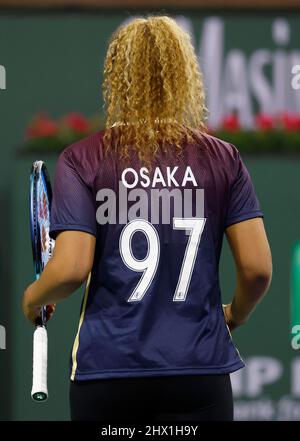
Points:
(157, 199)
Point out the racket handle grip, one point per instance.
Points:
(39, 390)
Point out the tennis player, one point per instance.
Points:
(139, 213)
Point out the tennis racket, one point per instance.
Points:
(42, 249)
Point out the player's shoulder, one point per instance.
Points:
(83, 156)
(219, 147)
(86, 148)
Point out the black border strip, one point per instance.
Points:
(65, 10)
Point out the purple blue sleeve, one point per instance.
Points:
(243, 202)
(73, 207)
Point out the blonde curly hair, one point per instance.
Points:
(153, 90)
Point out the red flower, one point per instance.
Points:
(77, 122)
(264, 122)
(42, 126)
(231, 123)
(290, 121)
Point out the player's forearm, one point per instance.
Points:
(55, 284)
(248, 293)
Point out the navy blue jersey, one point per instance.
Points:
(152, 303)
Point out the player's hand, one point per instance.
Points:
(33, 313)
(228, 317)
(50, 311)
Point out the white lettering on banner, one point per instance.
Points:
(2, 337)
(296, 78)
(238, 379)
(259, 372)
(211, 62)
(294, 95)
(2, 78)
(295, 377)
(295, 342)
(252, 400)
(245, 78)
(288, 409)
(255, 410)
(262, 371)
(248, 75)
(281, 31)
(285, 409)
(237, 97)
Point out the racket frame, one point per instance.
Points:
(38, 171)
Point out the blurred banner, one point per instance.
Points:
(54, 63)
(248, 75)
